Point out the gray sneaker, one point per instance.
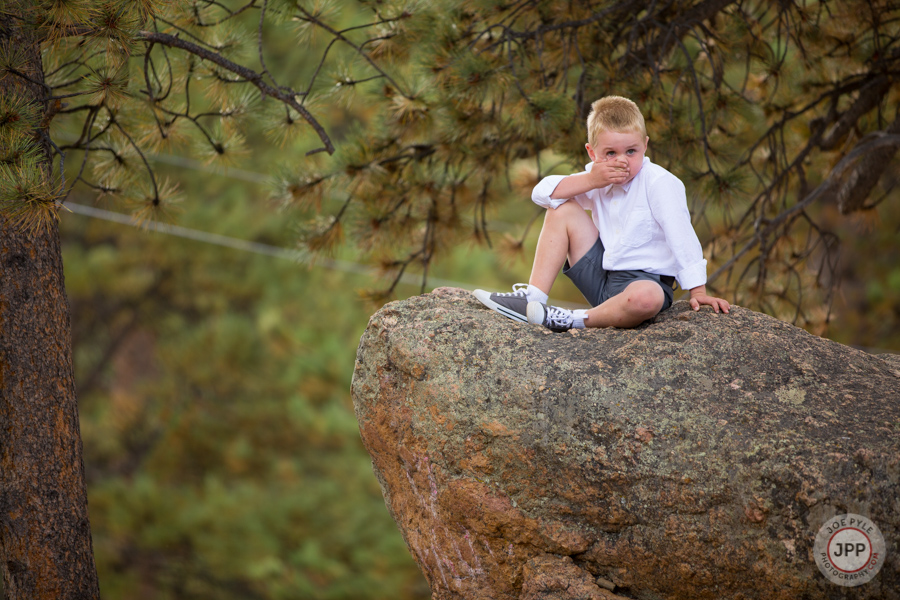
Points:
(551, 317)
(510, 304)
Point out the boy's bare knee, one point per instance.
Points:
(564, 212)
(645, 298)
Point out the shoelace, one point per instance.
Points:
(519, 289)
(558, 318)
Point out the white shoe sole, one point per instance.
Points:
(485, 298)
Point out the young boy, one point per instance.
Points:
(625, 256)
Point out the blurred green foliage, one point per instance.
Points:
(222, 453)
(867, 308)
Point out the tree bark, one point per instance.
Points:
(45, 538)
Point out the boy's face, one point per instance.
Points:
(625, 147)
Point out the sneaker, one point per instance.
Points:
(551, 317)
(510, 304)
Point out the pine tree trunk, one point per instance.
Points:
(45, 538)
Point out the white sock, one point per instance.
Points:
(578, 317)
(534, 294)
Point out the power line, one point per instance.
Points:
(192, 164)
(276, 251)
(224, 241)
(293, 255)
(186, 162)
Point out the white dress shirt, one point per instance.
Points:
(644, 224)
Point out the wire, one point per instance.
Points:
(186, 162)
(254, 247)
(276, 251)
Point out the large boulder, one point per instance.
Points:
(695, 457)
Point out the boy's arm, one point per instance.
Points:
(554, 190)
(669, 208)
(600, 175)
(668, 205)
(699, 296)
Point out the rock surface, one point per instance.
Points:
(695, 457)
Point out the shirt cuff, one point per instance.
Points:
(542, 191)
(692, 276)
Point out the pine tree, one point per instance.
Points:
(125, 73)
(774, 114)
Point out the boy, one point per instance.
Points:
(625, 256)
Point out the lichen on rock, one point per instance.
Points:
(694, 457)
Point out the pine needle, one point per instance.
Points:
(27, 198)
(107, 86)
(157, 205)
(323, 234)
(223, 146)
(18, 115)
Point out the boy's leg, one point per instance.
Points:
(641, 300)
(568, 233)
(627, 299)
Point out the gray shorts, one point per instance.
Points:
(598, 285)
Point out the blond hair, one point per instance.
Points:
(614, 113)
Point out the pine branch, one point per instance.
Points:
(873, 141)
(259, 44)
(231, 13)
(852, 194)
(870, 95)
(287, 97)
(340, 36)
